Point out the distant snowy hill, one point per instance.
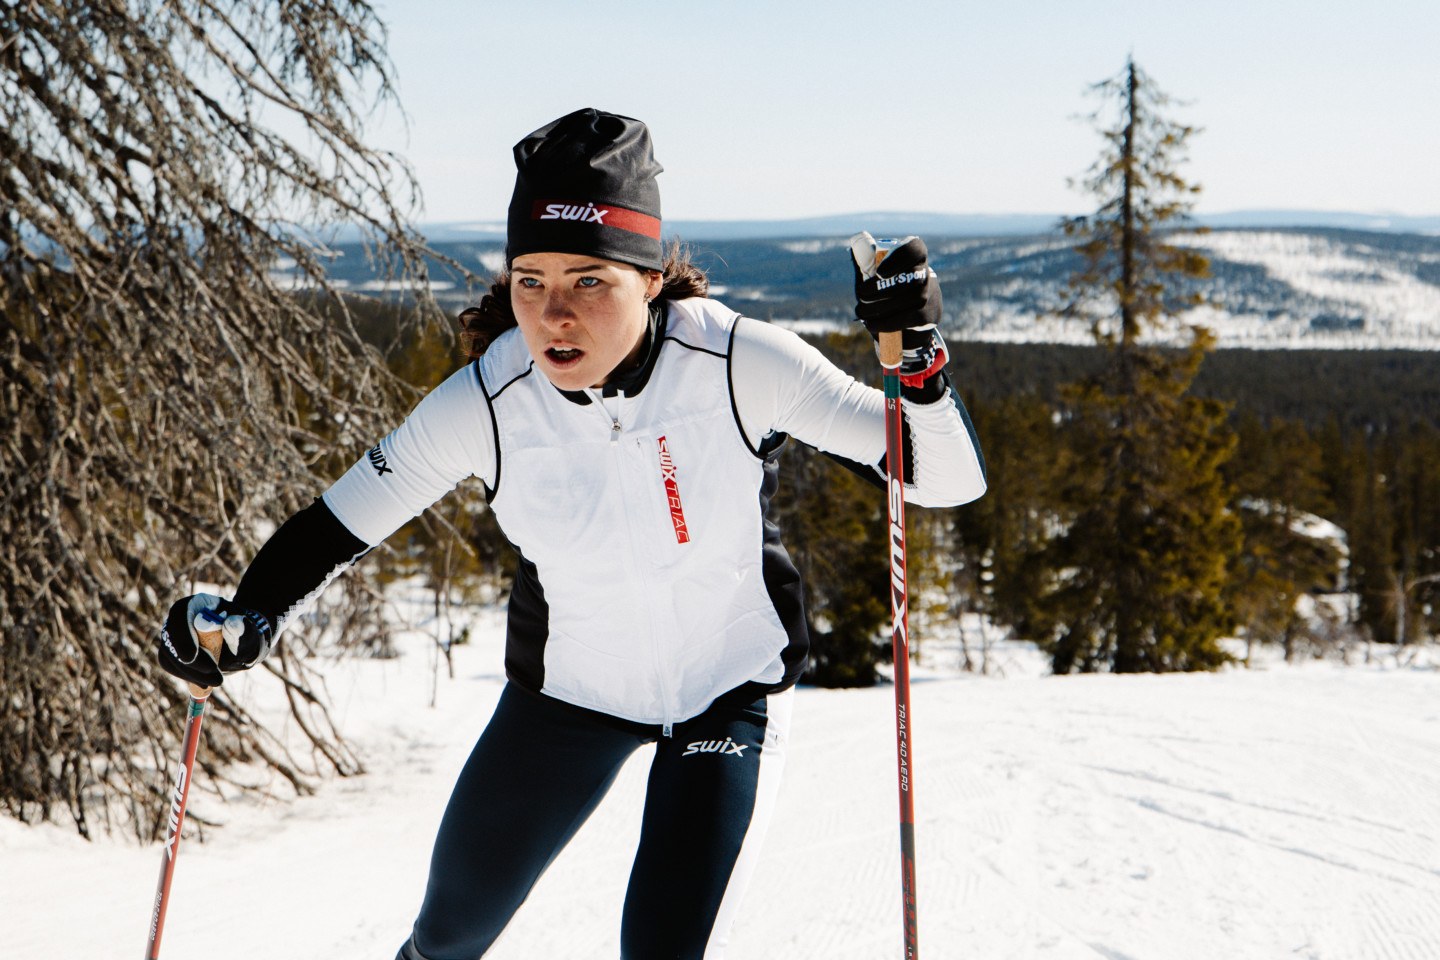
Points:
(1005, 278)
(1268, 288)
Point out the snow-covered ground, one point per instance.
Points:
(1286, 812)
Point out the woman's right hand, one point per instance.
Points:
(247, 637)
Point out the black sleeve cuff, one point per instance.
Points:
(932, 389)
(301, 557)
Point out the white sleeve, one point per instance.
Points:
(447, 437)
(781, 384)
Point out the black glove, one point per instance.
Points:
(247, 639)
(902, 293)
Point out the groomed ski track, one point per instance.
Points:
(1288, 812)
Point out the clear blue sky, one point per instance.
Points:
(767, 110)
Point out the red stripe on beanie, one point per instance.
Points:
(606, 214)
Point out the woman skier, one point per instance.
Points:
(627, 430)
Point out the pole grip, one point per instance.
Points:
(212, 642)
(892, 348)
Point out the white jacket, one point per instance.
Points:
(648, 585)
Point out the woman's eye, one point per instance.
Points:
(529, 283)
(589, 281)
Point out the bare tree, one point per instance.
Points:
(170, 389)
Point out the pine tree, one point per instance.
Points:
(1276, 476)
(1137, 575)
(1416, 493)
(833, 524)
(993, 538)
(1372, 550)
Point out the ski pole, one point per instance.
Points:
(891, 352)
(868, 253)
(211, 640)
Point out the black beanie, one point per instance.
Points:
(586, 184)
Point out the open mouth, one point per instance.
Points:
(563, 356)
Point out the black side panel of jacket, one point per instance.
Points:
(297, 561)
(527, 626)
(782, 582)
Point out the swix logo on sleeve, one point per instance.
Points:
(378, 461)
(672, 493)
(608, 215)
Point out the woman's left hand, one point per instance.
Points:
(902, 293)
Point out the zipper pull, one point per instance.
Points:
(614, 430)
(667, 730)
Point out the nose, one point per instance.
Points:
(558, 308)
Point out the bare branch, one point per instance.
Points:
(167, 393)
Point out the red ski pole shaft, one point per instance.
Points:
(891, 353)
(211, 641)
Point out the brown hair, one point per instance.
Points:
(480, 325)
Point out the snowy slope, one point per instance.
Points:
(1288, 812)
(1328, 289)
(1269, 288)
(1345, 292)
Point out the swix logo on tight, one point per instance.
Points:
(607, 215)
(726, 748)
(672, 493)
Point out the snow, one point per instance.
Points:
(1287, 811)
(820, 245)
(1398, 309)
(402, 286)
(1324, 292)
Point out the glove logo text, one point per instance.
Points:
(165, 639)
(885, 283)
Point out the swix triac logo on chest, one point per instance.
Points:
(672, 493)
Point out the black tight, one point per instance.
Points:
(539, 770)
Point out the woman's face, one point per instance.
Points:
(580, 316)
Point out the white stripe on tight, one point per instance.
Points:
(767, 787)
